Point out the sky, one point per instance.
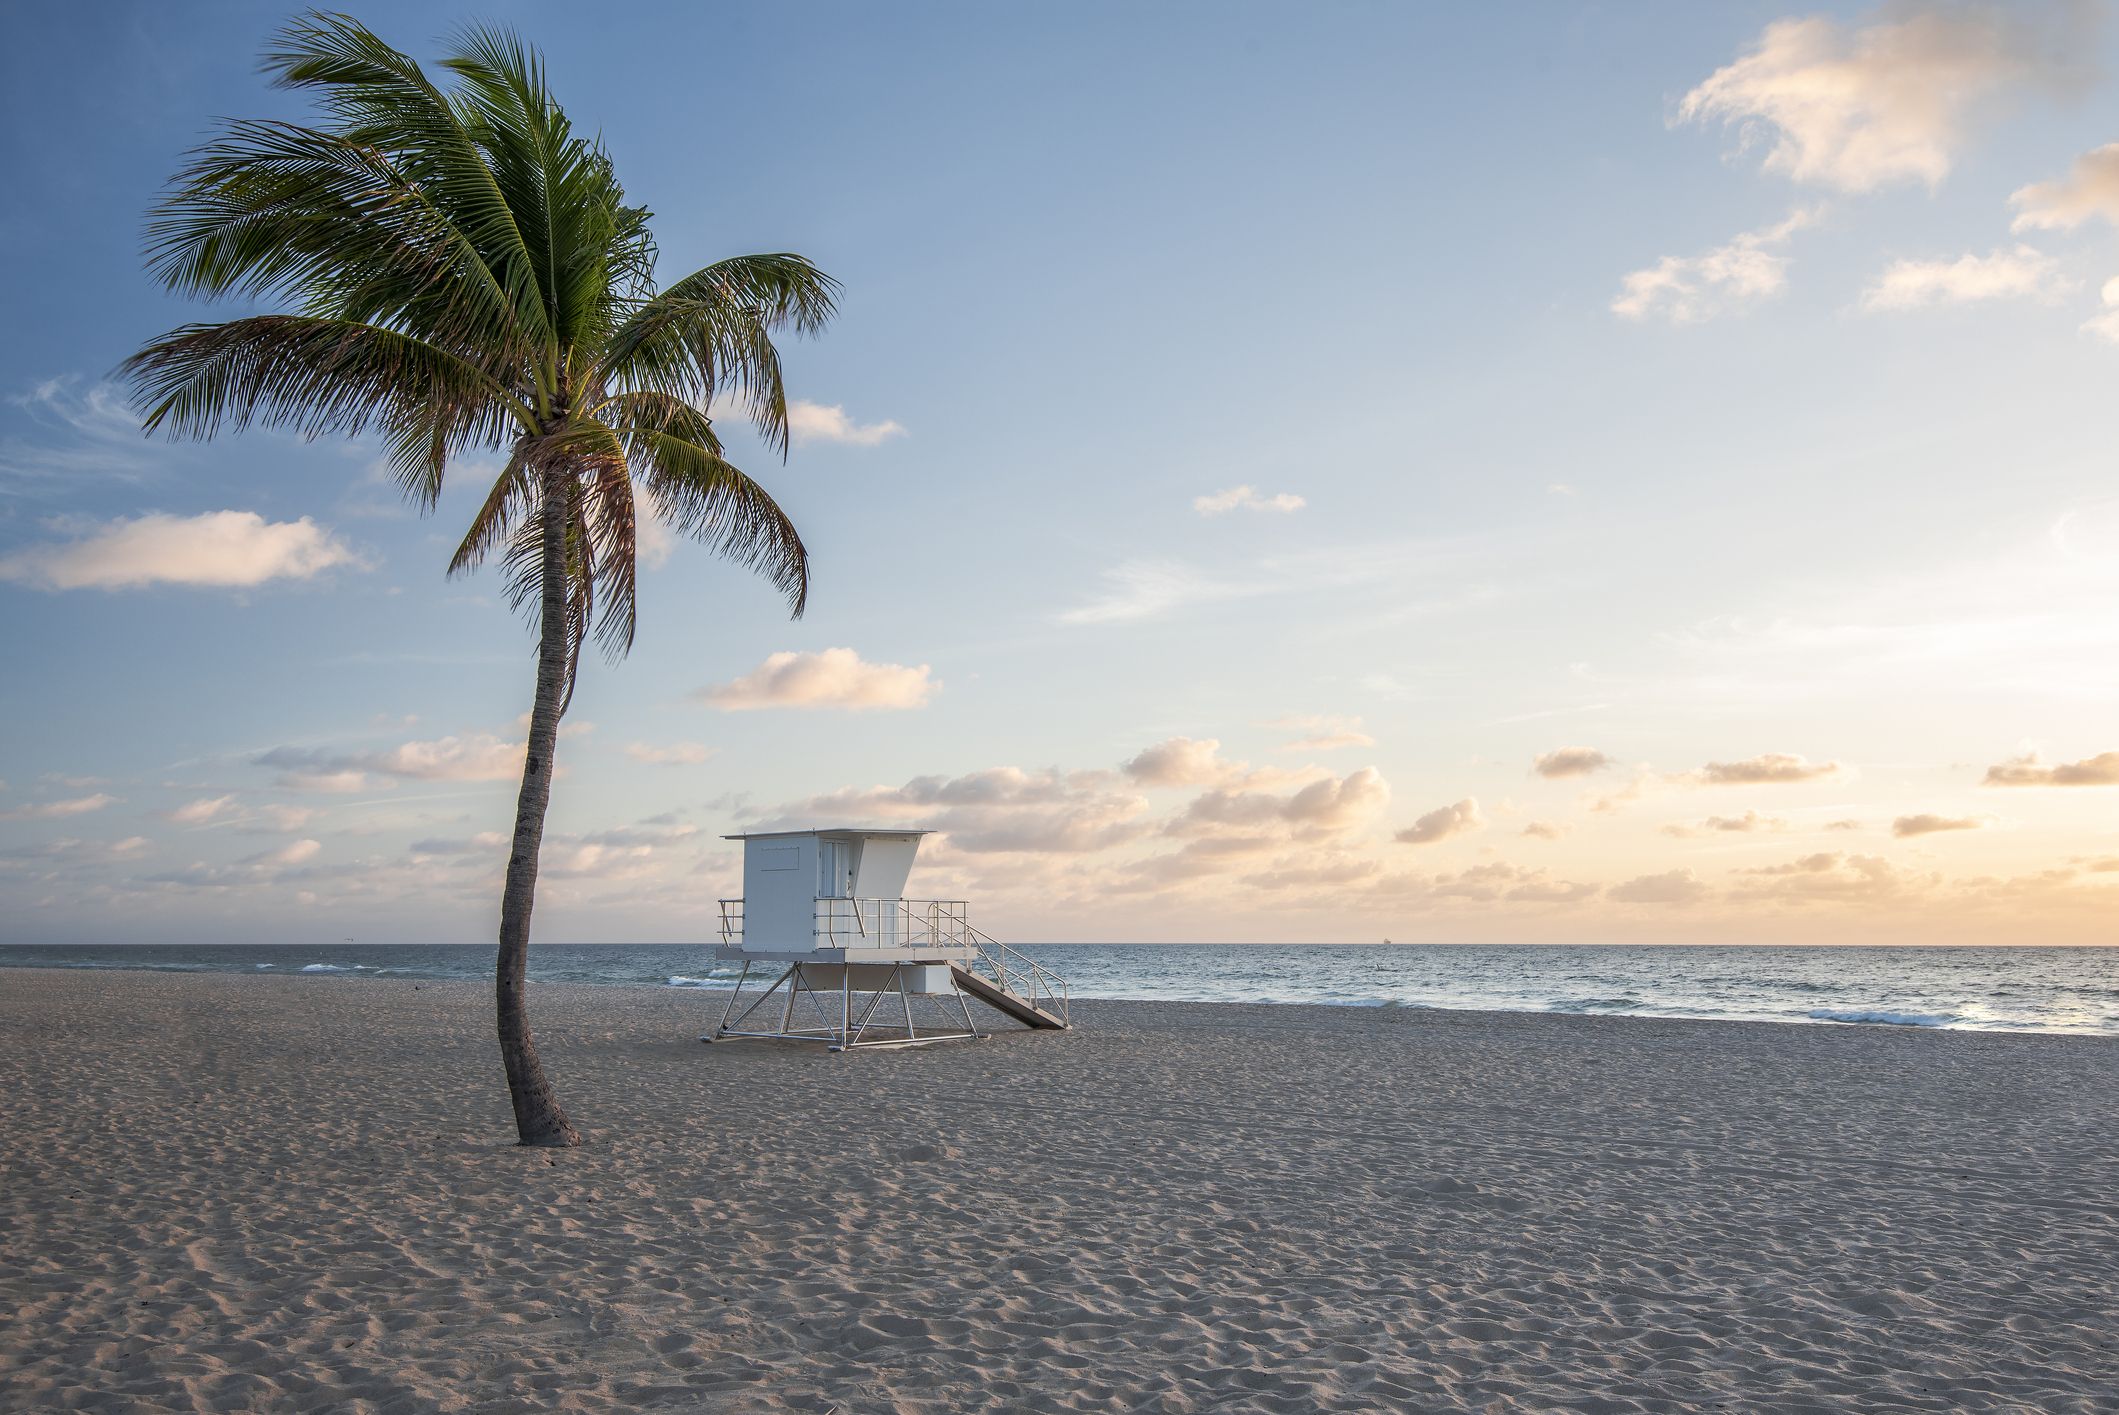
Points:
(1545, 474)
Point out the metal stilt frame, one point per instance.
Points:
(852, 1028)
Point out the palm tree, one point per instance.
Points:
(460, 274)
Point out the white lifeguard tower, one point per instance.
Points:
(825, 911)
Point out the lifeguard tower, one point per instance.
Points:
(854, 962)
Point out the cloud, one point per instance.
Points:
(2028, 770)
(1563, 762)
(266, 867)
(1748, 823)
(1843, 825)
(1926, 824)
(1180, 761)
(997, 810)
(1248, 499)
(218, 548)
(676, 754)
(1321, 808)
(1443, 822)
(89, 435)
(1771, 768)
(833, 678)
(1670, 887)
(1321, 734)
(477, 757)
(483, 843)
(58, 810)
(2090, 190)
(205, 809)
(1150, 589)
(2106, 325)
(1887, 103)
(1828, 877)
(1544, 830)
(819, 422)
(2021, 273)
(1746, 271)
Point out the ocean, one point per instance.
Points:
(2069, 990)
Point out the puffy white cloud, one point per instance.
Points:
(1563, 762)
(1670, 887)
(58, 810)
(1180, 761)
(1747, 270)
(2028, 770)
(1443, 822)
(997, 810)
(1888, 102)
(1928, 823)
(1770, 768)
(1321, 808)
(218, 548)
(1246, 498)
(2090, 190)
(820, 422)
(833, 678)
(2021, 273)
(675, 754)
(1321, 733)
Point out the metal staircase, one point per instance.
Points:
(1009, 982)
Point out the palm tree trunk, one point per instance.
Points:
(539, 1120)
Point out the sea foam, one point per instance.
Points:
(1880, 1017)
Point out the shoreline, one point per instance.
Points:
(291, 1197)
(1861, 1019)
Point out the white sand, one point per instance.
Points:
(274, 1194)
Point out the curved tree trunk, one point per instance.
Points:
(539, 1120)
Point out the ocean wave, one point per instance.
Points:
(1595, 1004)
(678, 980)
(1881, 1017)
(330, 968)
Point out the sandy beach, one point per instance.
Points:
(227, 1193)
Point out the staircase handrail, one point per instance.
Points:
(1045, 990)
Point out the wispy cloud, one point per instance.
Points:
(1149, 589)
(833, 678)
(1768, 769)
(2028, 770)
(2089, 191)
(58, 810)
(1246, 498)
(228, 549)
(1890, 102)
(477, 757)
(1746, 271)
(675, 754)
(1321, 732)
(2018, 274)
(1929, 824)
(82, 432)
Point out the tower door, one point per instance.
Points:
(834, 870)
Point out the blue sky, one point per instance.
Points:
(1677, 443)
